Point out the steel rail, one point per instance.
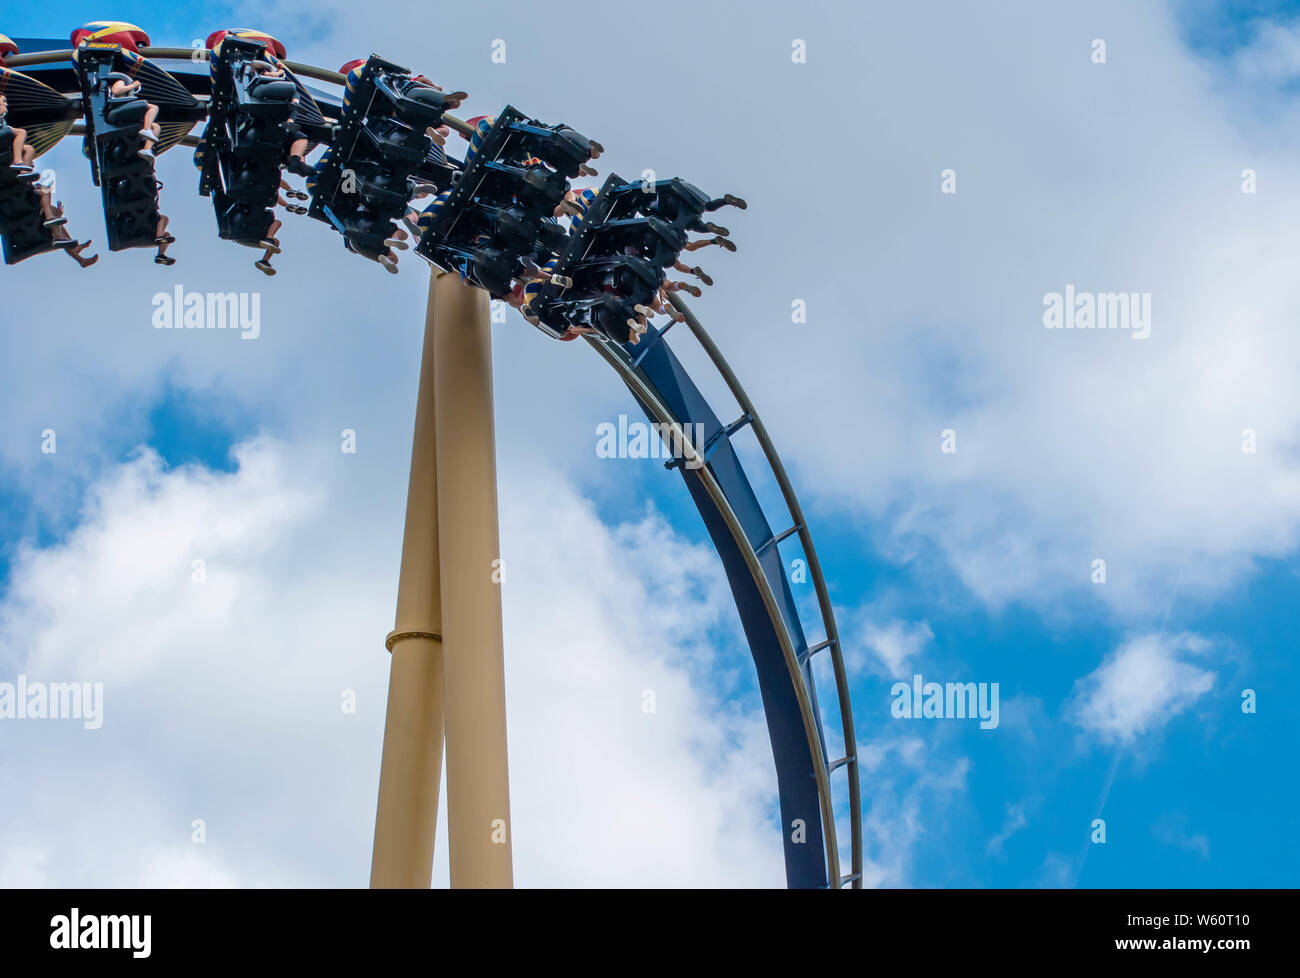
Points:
(187, 54)
(650, 398)
(814, 566)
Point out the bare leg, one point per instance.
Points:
(718, 240)
(76, 254)
(23, 153)
(694, 290)
(164, 241)
(695, 270)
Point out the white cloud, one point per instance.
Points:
(924, 309)
(222, 700)
(1273, 55)
(1141, 686)
(895, 644)
(908, 805)
(1017, 818)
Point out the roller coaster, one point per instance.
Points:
(497, 219)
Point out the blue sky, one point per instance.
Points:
(1120, 701)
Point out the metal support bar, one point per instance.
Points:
(478, 790)
(808, 653)
(773, 541)
(712, 444)
(411, 768)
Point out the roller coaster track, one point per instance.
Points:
(750, 552)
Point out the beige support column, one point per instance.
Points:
(412, 760)
(478, 796)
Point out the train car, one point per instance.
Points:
(121, 154)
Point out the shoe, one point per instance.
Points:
(263, 265)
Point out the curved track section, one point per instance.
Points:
(750, 553)
(740, 531)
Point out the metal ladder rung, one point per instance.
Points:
(834, 766)
(718, 437)
(729, 430)
(807, 654)
(773, 541)
(850, 878)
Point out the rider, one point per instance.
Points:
(56, 223)
(124, 87)
(24, 154)
(578, 201)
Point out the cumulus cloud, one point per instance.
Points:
(223, 696)
(1071, 445)
(1141, 686)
